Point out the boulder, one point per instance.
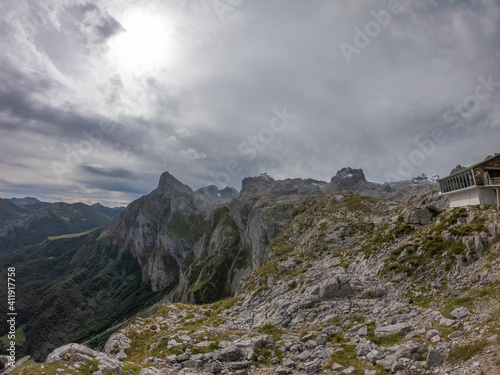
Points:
(420, 216)
(387, 361)
(66, 352)
(460, 313)
(231, 354)
(433, 358)
(150, 371)
(392, 329)
(337, 367)
(431, 333)
(349, 371)
(455, 335)
(116, 345)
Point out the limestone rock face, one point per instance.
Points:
(70, 349)
(116, 345)
(392, 329)
(79, 353)
(460, 313)
(420, 216)
(434, 359)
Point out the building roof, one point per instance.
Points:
(471, 167)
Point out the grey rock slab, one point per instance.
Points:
(238, 365)
(363, 349)
(59, 353)
(363, 331)
(150, 371)
(337, 367)
(192, 363)
(433, 358)
(287, 362)
(282, 370)
(431, 333)
(215, 367)
(415, 333)
(460, 312)
(231, 354)
(392, 329)
(117, 342)
(304, 355)
(387, 361)
(455, 335)
(108, 364)
(320, 340)
(420, 216)
(311, 366)
(374, 356)
(349, 371)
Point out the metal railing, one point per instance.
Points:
(492, 181)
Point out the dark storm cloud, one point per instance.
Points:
(114, 172)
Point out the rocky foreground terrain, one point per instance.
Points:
(347, 284)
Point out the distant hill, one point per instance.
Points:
(111, 211)
(26, 201)
(20, 226)
(9, 212)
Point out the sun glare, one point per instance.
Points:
(145, 43)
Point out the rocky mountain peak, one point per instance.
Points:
(169, 185)
(258, 183)
(424, 179)
(457, 169)
(348, 177)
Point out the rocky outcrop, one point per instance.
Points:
(116, 345)
(420, 216)
(77, 354)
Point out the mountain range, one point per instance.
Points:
(173, 244)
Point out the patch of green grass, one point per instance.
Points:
(263, 355)
(383, 341)
(454, 302)
(32, 368)
(338, 338)
(72, 235)
(346, 357)
(465, 352)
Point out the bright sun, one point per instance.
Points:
(145, 43)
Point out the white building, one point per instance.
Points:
(477, 184)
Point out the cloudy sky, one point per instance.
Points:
(98, 98)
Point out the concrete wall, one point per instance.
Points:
(469, 197)
(488, 196)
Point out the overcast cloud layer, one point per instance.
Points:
(98, 98)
